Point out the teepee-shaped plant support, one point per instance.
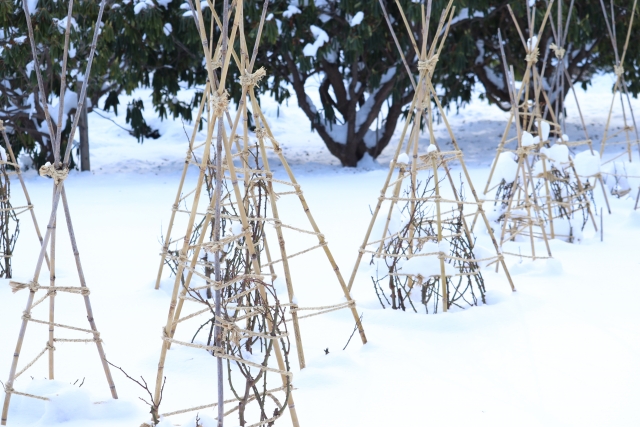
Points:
(9, 213)
(58, 171)
(228, 251)
(432, 252)
(543, 189)
(561, 78)
(621, 92)
(516, 195)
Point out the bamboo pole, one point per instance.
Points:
(58, 193)
(52, 299)
(316, 229)
(24, 189)
(227, 149)
(176, 203)
(87, 301)
(443, 275)
(216, 221)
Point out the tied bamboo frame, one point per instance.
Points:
(620, 89)
(50, 235)
(197, 194)
(264, 136)
(522, 192)
(18, 171)
(421, 105)
(526, 190)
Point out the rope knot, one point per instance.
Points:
(58, 175)
(261, 132)
(219, 103)
(216, 63)
(559, 51)
(429, 65)
(18, 286)
(84, 291)
(26, 315)
(234, 333)
(213, 247)
(251, 80)
(618, 69)
(50, 346)
(532, 56)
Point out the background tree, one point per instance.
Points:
(143, 43)
(360, 78)
(341, 51)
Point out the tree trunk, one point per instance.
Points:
(83, 130)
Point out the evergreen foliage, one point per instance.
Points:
(340, 50)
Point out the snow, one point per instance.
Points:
(528, 139)
(356, 19)
(587, 163)
(464, 15)
(321, 38)
(167, 29)
(506, 168)
(139, 7)
(557, 152)
(32, 4)
(62, 24)
(291, 10)
(3, 154)
(561, 351)
(404, 158)
(545, 128)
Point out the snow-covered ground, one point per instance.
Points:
(561, 351)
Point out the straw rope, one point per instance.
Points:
(219, 103)
(34, 287)
(75, 340)
(428, 65)
(58, 175)
(261, 133)
(297, 253)
(323, 310)
(559, 51)
(30, 364)
(11, 390)
(527, 256)
(532, 56)
(618, 70)
(251, 80)
(213, 405)
(15, 208)
(168, 339)
(26, 316)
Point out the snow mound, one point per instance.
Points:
(67, 403)
(506, 168)
(539, 267)
(556, 153)
(587, 163)
(528, 139)
(368, 163)
(634, 219)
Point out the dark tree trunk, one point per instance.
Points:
(349, 102)
(83, 130)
